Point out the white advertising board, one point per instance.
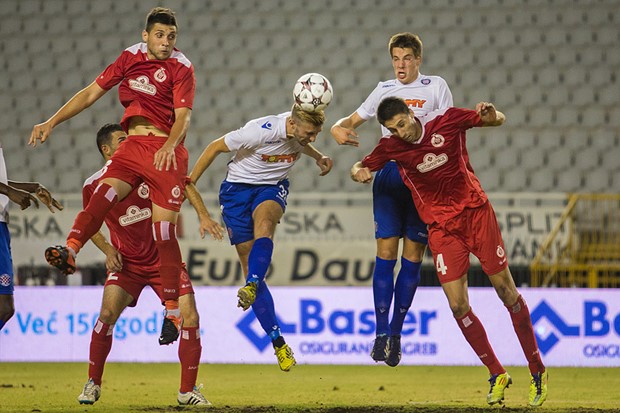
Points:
(331, 245)
(574, 327)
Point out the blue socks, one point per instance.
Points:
(406, 285)
(383, 289)
(1, 324)
(265, 311)
(259, 260)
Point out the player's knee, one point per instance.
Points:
(459, 308)
(108, 316)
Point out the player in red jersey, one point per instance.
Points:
(132, 262)
(432, 159)
(156, 87)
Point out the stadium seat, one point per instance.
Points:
(532, 158)
(560, 158)
(597, 180)
(515, 180)
(541, 180)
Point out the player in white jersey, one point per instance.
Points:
(395, 215)
(253, 199)
(21, 194)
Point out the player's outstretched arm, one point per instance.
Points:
(41, 192)
(207, 157)
(22, 198)
(361, 174)
(344, 132)
(80, 101)
(324, 162)
(207, 224)
(113, 258)
(489, 115)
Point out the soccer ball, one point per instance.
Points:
(313, 92)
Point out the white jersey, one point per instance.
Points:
(424, 95)
(4, 200)
(264, 154)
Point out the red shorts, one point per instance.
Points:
(133, 163)
(134, 282)
(474, 231)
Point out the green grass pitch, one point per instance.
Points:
(53, 387)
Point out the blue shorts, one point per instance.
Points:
(394, 212)
(238, 202)
(6, 261)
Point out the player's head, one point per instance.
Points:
(160, 33)
(397, 117)
(406, 52)
(109, 137)
(304, 126)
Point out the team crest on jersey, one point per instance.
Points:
(142, 84)
(176, 191)
(5, 280)
(432, 161)
(160, 75)
(437, 140)
(500, 251)
(134, 214)
(425, 81)
(143, 191)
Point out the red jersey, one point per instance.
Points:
(130, 226)
(151, 88)
(436, 167)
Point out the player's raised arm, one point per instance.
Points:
(207, 157)
(343, 131)
(41, 192)
(80, 101)
(489, 115)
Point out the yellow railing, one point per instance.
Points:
(583, 249)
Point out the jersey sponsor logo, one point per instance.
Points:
(160, 75)
(5, 280)
(143, 191)
(425, 81)
(267, 125)
(289, 158)
(415, 103)
(134, 214)
(176, 191)
(388, 85)
(437, 140)
(142, 84)
(432, 161)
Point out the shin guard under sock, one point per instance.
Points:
(522, 323)
(476, 336)
(383, 290)
(167, 245)
(100, 345)
(190, 350)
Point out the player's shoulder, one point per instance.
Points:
(136, 49)
(180, 57)
(386, 85)
(93, 179)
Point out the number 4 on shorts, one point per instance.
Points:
(440, 265)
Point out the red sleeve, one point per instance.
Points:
(113, 74)
(465, 118)
(184, 87)
(87, 192)
(379, 156)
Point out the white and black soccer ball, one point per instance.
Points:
(313, 92)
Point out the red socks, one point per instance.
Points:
(476, 336)
(88, 221)
(522, 324)
(100, 345)
(170, 259)
(190, 350)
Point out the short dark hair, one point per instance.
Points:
(406, 40)
(390, 107)
(104, 134)
(161, 15)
